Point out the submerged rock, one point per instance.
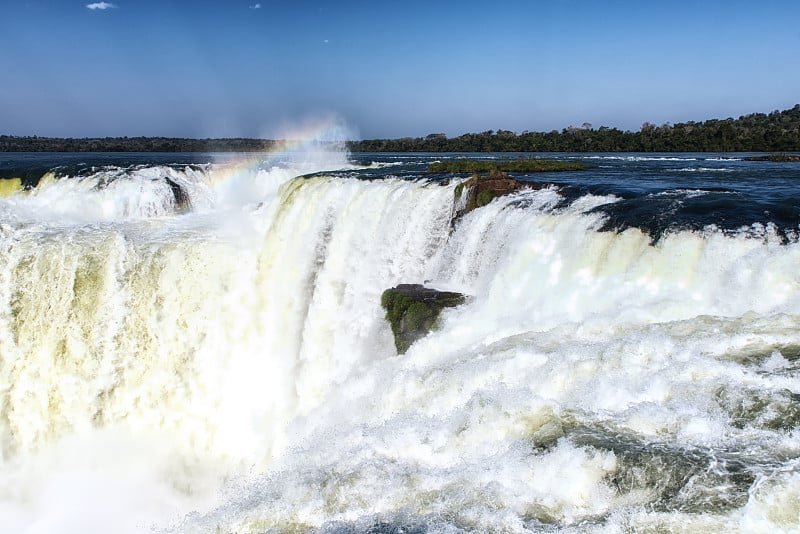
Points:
(413, 310)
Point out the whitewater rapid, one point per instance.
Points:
(227, 367)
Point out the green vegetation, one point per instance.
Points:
(131, 144)
(479, 190)
(484, 197)
(395, 304)
(778, 131)
(512, 165)
(418, 316)
(409, 318)
(412, 311)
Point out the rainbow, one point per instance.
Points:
(298, 144)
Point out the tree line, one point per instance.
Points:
(131, 144)
(778, 131)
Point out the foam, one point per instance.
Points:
(150, 364)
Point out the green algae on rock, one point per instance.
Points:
(413, 311)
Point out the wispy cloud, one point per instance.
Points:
(255, 6)
(101, 6)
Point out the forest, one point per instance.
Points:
(131, 144)
(778, 131)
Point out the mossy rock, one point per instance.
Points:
(458, 190)
(480, 190)
(484, 197)
(413, 311)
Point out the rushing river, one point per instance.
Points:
(195, 343)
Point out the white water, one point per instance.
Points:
(234, 362)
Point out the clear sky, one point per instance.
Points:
(229, 68)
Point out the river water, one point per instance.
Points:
(195, 343)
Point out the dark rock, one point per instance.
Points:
(413, 311)
(183, 202)
(481, 190)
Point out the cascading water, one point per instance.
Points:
(223, 364)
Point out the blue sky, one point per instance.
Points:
(252, 68)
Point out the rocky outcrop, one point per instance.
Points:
(413, 311)
(182, 200)
(479, 190)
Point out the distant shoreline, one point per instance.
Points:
(132, 144)
(12, 144)
(778, 131)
